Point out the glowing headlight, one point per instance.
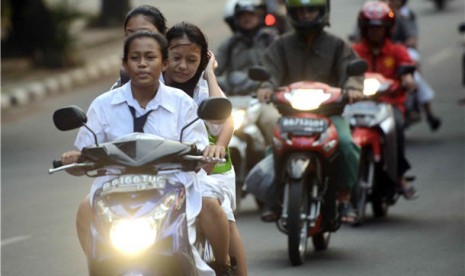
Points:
(133, 236)
(238, 117)
(307, 99)
(371, 86)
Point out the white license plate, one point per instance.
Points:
(302, 125)
(134, 182)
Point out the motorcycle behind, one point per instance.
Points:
(373, 129)
(139, 223)
(247, 146)
(304, 147)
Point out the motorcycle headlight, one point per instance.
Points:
(133, 236)
(372, 86)
(238, 117)
(307, 99)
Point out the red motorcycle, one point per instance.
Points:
(305, 144)
(373, 129)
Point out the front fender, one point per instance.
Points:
(296, 166)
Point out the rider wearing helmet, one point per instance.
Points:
(406, 32)
(243, 49)
(321, 9)
(311, 53)
(375, 22)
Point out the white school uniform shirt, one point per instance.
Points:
(109, 117)
(201, 92)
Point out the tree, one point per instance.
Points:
(112, 13)
(38, 31)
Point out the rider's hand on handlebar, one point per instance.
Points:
(408, 82)
(354, 95)
(214, 151)
(70, 157)
(264, 94)
(210, 152)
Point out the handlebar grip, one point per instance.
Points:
(57, 163)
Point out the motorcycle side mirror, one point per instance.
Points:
(259, 73)
(215, 109)
(462, 27)
(68, 118)
(405, 69)
(211, 109)
(356, 67)
(71, 117)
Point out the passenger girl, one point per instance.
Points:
(191, 68)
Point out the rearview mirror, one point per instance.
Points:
(356, 67)
(259, 73)
(405, 69)
(69, 118)
(215, 109)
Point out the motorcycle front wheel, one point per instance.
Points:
(297, 223)
(365, 182)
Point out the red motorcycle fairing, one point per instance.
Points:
(324, 143)
(368, 137)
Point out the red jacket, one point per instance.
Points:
(386, 62)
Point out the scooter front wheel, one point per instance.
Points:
(365, 182)
(297, 223)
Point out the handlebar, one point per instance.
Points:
(58, 165)
(69, 166)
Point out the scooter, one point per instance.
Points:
(305, 145)
(247, 146)
(139, 224)
(373, 129)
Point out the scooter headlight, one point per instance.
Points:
(238, 117)
(307, 99)
(372, 86)
(133, 236)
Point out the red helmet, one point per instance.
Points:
(375, 13)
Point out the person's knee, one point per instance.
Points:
(210, 207)
(83, 218)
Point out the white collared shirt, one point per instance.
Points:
(109, 116)
(201, 92)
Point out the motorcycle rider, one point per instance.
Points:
(376, 21)
(406, 32)
(311, 53)
(242, 50)
(273, 13)
(166, 110)
(191, 68)
(147, 17)
(141, 18)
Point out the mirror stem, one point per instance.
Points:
(186, 126)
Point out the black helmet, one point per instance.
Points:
(306, 27)
(253, 6)
(247, 6)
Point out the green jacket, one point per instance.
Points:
(289, 59)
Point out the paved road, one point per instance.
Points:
(424, 237)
